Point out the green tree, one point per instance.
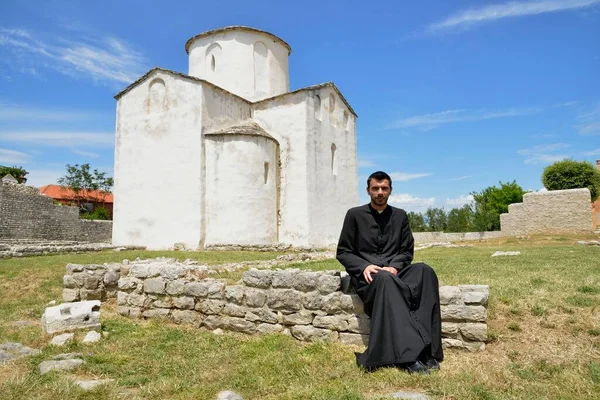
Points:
(81, 180)
(16, 172)
(436, 218)
(493, 201)
(416, 222)
(570, 174)
(461, 219)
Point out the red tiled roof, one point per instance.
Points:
(64, 193)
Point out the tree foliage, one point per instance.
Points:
(416, 221)
(436, 219)
(16, 172)
(493, 201)
(461, 219)
(81, 180)
(570, 174)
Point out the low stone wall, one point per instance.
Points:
(427, 237)
(552, 212)
(309, 305)
(27, 214)
(30, 247)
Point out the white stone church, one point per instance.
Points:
(228, 155)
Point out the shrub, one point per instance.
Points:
(570, 174)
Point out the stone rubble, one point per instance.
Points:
(62, 340)
(12, 351)
(440, 244)
(33, 247)
(506, 253)
(229, 395)
(71, 316)
(91, 337)
(61, 362)
(589, 242)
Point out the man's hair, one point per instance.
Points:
(378, 176)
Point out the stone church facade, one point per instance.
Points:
(228, 155)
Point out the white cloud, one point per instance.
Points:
(431, 121)
(403, 176)
(595, 152)
(459, 201)
(59, 139)
(85, 153)
(13, 157)
(38, 178)
(410, 203)
(8, 113)
(460, 178)
(105, 59)
(468, 18)
(588, 123)
(540, 154)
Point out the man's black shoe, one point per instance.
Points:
(416, 367)
(430, 362)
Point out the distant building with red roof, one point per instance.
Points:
(88, 199)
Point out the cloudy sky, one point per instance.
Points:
(452, 96)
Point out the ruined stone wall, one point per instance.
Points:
(309, 305)
(552, 212)
(27, 214)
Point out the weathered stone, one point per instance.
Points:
(61, 340)
(12, 351)
(91, 282)
(183, 302)
(255, 297)
(237, 325)
(351, 303)
(302, 317)
(463, 313)
(59, 365)
(359, 323)
(306, 281)
(450, 295)
(354, 339)
(135, 312)
(450, 330)
(312, 301)
(284, 279)
(175, 288)
(212, 322)
(328, 283)
(209, 307)
(91, 294)
(123, 310)
(122, 298)
(234, 310)
(257, 278)
(474, 288)
(128, 283)
(506, 253)
(140, 271)
(308, 333)
(332, 303)
(476, 298)
(158, 313)
(207, 288)
(138, 300)
(228, 395)
(172, 271)
(69, 282)
(155, 286)
(332, 322)
(186, 317)
(91, 337)
(70, 295)
(235, 294)
(474, 332)
(71, 316)
(261, 315)
(71, 268)
(125, 268)
(407, 396)
(269, 328)
(92, 384)
(455, 343)
(284, 299)
(110, 278)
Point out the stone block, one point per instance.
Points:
(463, 313)
(476, 298)
(257, 278)
(72, 316)
(261, 315)
(331, 303)
(474, 288)
(238, 325)
(71, 268)
(306, 281)
(175, 288)
(110, 278)
(235, 294)
(459, 344)
(234, 310)
(123, 310)
(138, 300)
(351, 303)
(158, 313)
(91, 294)
(69, 282)
(255, 297)
(284, 279)
(127, 283)
(212, 322)
(61, 340)
(450, 295)
(70, 295)
(359, 323)
(308, 333)
(284, 299)
(269, 328)
(312, 301)
(183, 302)
(155, 286)
(209, 307)
(354, 339)
(332, 322)
(135, 312)
(210, 288)
(303, 317)
(474, 332)
(140, 271)
(329, 283)
(91, 337)
(172, 271)
(186, 317)
(122, 298)
(60, 365)
(451, 330)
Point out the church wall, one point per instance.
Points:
(285, 119)
(331, 165)
(236, 61)
(158, 158)
(241, 187)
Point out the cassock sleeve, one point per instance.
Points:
(346, 250)
(406, 245)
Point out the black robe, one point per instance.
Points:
(404, 308)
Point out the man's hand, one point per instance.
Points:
(391, 270)
(371, 269)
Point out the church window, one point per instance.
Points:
(333, 159)
(213, 63)
(332, 117)
(266, 173)
(346, 120)
(213, 54)
(157, 96)
(261, 68)
(318, 107)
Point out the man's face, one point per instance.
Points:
(379, 191)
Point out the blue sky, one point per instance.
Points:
(452, 96)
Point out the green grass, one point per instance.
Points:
(543, 316)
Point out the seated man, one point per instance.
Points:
(376, 247)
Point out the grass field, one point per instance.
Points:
(544, 336)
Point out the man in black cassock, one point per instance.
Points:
(376, 247)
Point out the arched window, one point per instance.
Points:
(333, 159)
(332, 117)
(318, 107)
(346, 120)
(261, 68)
(157, 96)
(213, 57)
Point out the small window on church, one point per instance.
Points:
(332, 117)
(333, 160)
(266, 173)
(346, 120)
(318, 107)
(213, 63)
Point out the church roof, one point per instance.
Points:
(236, 28)
(247, 128)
